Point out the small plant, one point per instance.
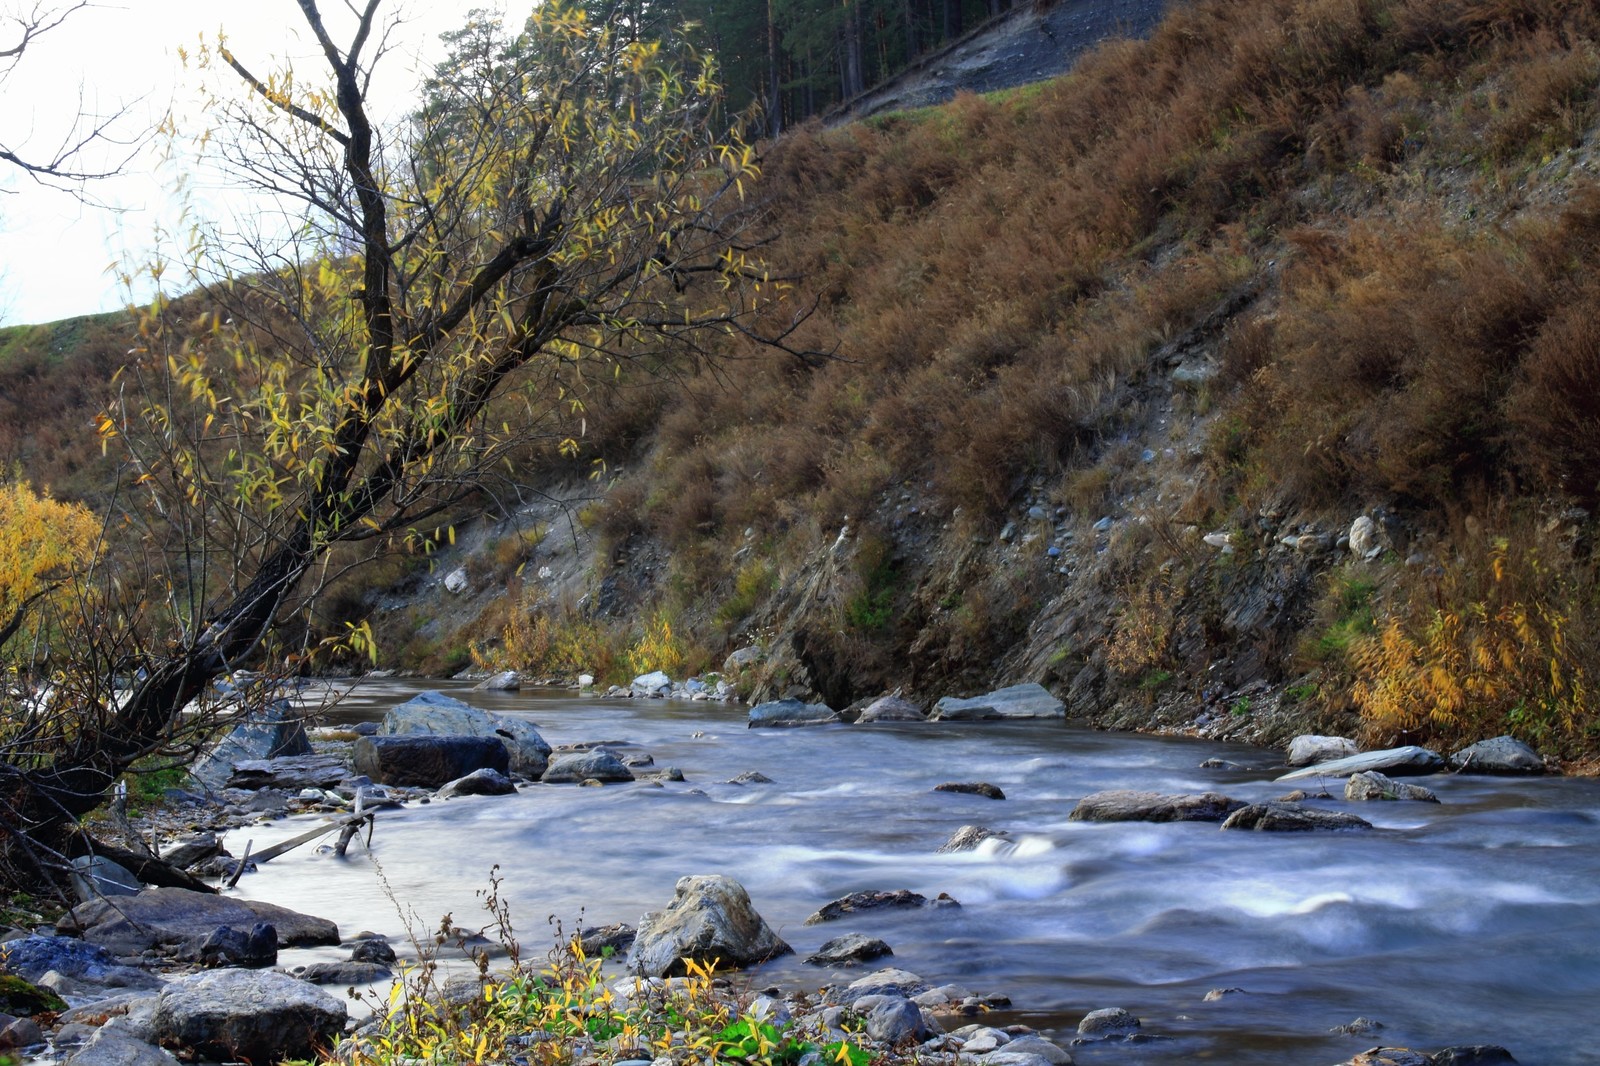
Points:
(1241, 707)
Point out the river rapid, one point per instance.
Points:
(1470, 921)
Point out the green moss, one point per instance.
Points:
(21, 998)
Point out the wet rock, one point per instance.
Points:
(349, 972)
(289, 773)
(1108, 1023)
(849, 950)
(784, 714)
(967, 838)
(504, 681)
(1310, 748)
(1030, 1044)
(581, 766)
(20, 997)
(891, 709)
(112, 1046)
(174, 915)
(1279, 817)
(191, 850)
(1222, 993)
(19, 1033)
(258, 1015)
(1371, 785)
(485, 782)
(228, 946)
(1362, 1026)
(596, 940)
(425, 761)
(1391, 1056)
(272, 731)
(1473, 1055)
(1498, 755)
(1128, 805)
(895, 1021)
(751, 777)
(433, 713)
(981, 1039)
(972, 788)
(1016, 701)
(888, 981)
(857, 902)
(1408, 760)
(31, 957)
(710, 917)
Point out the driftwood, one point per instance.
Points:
(350, 823)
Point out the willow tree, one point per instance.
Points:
(565, 201)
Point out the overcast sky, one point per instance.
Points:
(55, 250)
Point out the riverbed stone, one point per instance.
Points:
(258, 1015)
(32, 957)
(1311, 748)
(1108, 1023)
(710, 917)
(891, 709)
(889, 981)
(111, 1046)
(290, 773)
(855, 902)
(96, 877)
(1409, 760)
(1031, 1044)
(617, 937)
(227, 945)
(1130, 805)
(1371, 785)
(894, 1021)
(423, 760)
(1473, 1055)
(786, 714)
(273, 730)
(972, 788)
(348, 972)
(504, 681)
(1015, 701)
(1391, 1056)
(851, 949)
(653, 685)
(174, 915)
(576, 767)
(20, 997)
(484, 782)
(1498, 755)
(967, 838)
(1276, 816)
(440, 715)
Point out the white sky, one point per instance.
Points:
(54, 250)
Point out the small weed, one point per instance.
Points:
(1241, 707)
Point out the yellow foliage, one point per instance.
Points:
(42, 542)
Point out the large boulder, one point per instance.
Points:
(1129, 805)
(177, 915)
(270, 732)
(1498, 755)
(1371, 785)
(427, 761)
(291, 773)
(710, 917)
(111, 1046)
(891, 709)
(1281, 817)
(504, 681)
(440, 715)
(779, 714)
(1310, 748)
(654, 685)
(1408, 760)
(1016, 701)
(257, 1015)
(575, 767)
(31, 957)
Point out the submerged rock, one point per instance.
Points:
(972, 788)
(1108, 1023)
(967, 838)
(1128, 805)
(1276, 816)
(579, 766)
(485, 782)
(856, 902)
(849, 950)
(710, 917)
(891, 709)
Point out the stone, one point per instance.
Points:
(485, 782)
(972, 788)
(743, 657)
(174, 915)
(1222, 993)
(438, 714)
(20, 997)
(888, 981)
(783, 714)
(1016, 701)
(1371, 785)
(110, 1046)
(1363, 538)
(894, 1021)
(1129, 805)
(596, 940)
(372, 949)
(1108, 1023)
(967, 838)
(455, 582)
(1310, 748)
(891, 709)
(426, 761)
(1391, 1056)
(579, 766)
(228, 946)
(851, 949)
(504, 681)
(192, 850)
(1033, 1044)
(1498, 755)
(855, 902)
(751, 777)
(349, 972)
(96, 877)
(21, 1033)
(650, 686)
(32, 957)
(258, 1015)
(274, 730)
(1407, 760)
(1473, 1055)
(1362, 1026)
(1277, 816)
(710, 917)
(290, 773)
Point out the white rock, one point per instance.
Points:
(456, 580)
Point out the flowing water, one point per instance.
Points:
(1471, 921)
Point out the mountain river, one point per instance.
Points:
(1471, 921)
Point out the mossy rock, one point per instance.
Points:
(22, 998)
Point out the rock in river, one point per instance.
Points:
(440, 715)
(176, 915)
(1128, 805)
(710, 917)
(1410, 759)
(258, 1015)
(425, 761)
(780, 714)
(868, 901)
(1371, 785)
(891, 709)
(972, 788)
(967, 838)
(575, 767)
(1279, 817)
(1309, 748)
(848, 950)
(1016, 701)
(1498, 755)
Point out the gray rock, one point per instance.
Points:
(1128, 805)
(1310, 748)
(888, 981)
(1007, 1057)
(485, 782)
(96, 877)
(1016, 701)
(710, 917)
(192, 850)
(20, 1033)
(578, 766)
(891, 709)
(228, 946)
(783, 714)
(272, 731)
(751, 777)
(849, 950)
(651, 686)
(1277, 816)
(1498, 755)
(1371, 785)
(972, 788)
(1408, 760)
(1362, 1026)
(895, 1021)
(440, 715)
(855, 902)
(290, 773)
(349, 972)
(259, 1015)
(1223, 993)
(597, 939)
(1034, 1044)
(504, 681)
(1363, 538)
(742, 658)
(967, 838)
(174, 915)
(31, 957)
(110, 1046)
(1108, 1023)
(372, 949)
(1473, 1055)
(427, 761)
(1391, 1056)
